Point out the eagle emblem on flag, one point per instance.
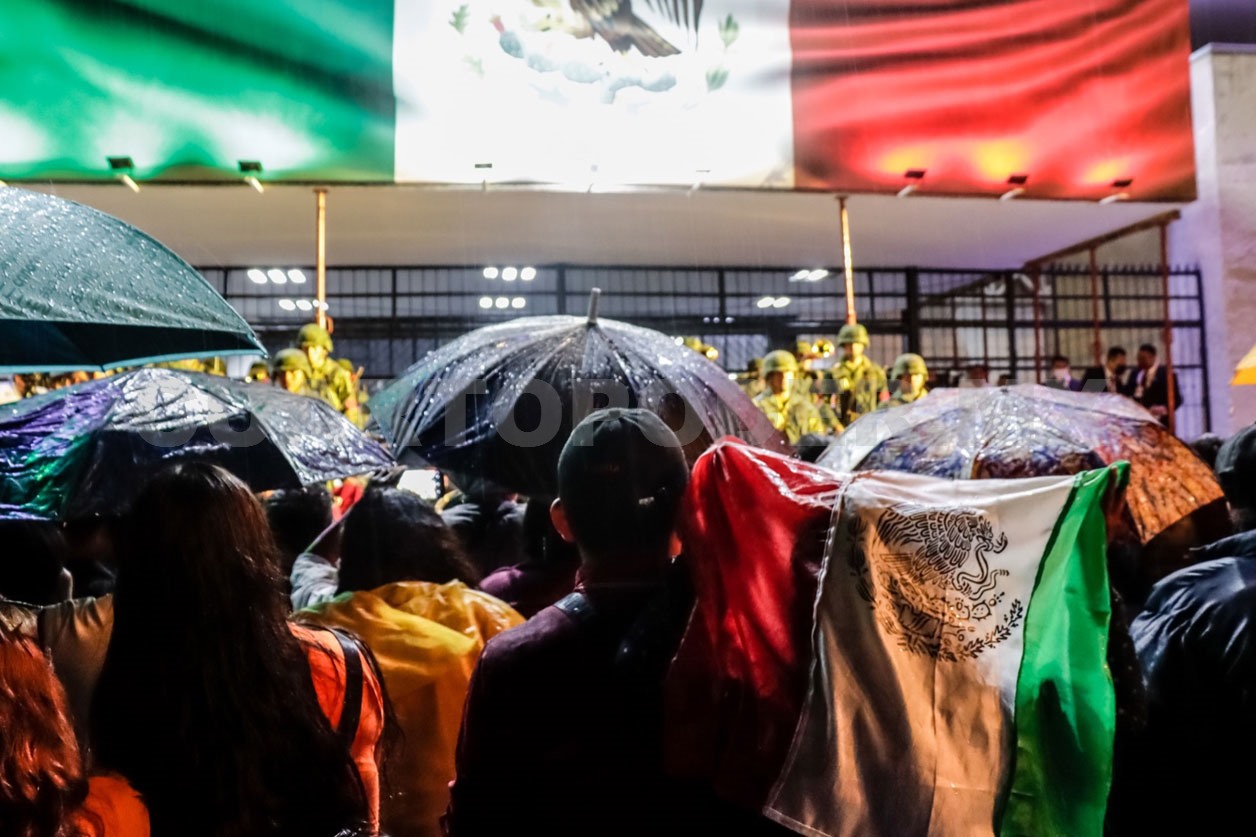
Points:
(927, 572)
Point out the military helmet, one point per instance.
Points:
(852, 333)
(779, 361)
(313, 334)
(909, 364)
(291, 360)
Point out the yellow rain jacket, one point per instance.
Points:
(426, 639)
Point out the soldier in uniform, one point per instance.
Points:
(259, 373)
(827, 401)
(328, 379)
(861, 384)
(791, 413)
(290, 369)
(911, 373)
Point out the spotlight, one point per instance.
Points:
(1017, 182)
(728, 319)
(486, 302)
(502, 302)
(304, 305)
(123, 166)
(251, 169)
(765, 302)
(509, 274)
(277, 276)
(518, 302)
(287, 305)
(817, 274)
(800, 276)
(296, 277)
(913, 176)
(527, 274)
(490, 273)
(781, 302)
(257, 276)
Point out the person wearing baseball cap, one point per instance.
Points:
(558, 736)
(1196, 640)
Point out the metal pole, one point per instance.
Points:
(1097, 346)
(1036, 275)
(847, 262)
(320, 237)
(1168, 326)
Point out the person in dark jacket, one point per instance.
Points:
(547, 574)
(1197, 644)
(1149, 385)
(562, 732)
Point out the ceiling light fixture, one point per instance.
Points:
(527, 274)
(766, 302)
(122, 167)
(913, 177)
(1017, 182)
(252, 170)
(518, 302)
(486, 302)
(277, 276)
(490, 273)
(781, 302)
(817, 274)
(800, 276)
(304, 305)
(257, 276)
(287, 305)
(296, 277)
(509, 274)
(502, 302)
(1120, 194)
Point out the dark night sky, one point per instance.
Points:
(1223, 21)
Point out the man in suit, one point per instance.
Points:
(1062, 375)
(1150, 384)
(1112, 377)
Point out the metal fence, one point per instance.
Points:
(387, 318)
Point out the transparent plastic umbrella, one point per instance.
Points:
(1030, 431)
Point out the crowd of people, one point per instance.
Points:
(217, 663)
(804, 399)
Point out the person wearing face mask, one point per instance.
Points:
(1062, 375)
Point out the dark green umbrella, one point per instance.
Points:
(80, 289)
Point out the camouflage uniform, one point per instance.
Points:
(329, 380)
(908, 364)
(791, 413)
(898, 399)
(859, 384)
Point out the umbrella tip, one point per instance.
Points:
(594, 295)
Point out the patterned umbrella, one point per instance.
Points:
(83, 449)
(1029, 431)
(498, 404)
(80, 289)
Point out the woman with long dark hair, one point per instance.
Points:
(214, 707)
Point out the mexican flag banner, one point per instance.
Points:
(955, 679)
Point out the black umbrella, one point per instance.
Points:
(496, 406)
(83, 449)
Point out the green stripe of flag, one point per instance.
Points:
(1065, 704)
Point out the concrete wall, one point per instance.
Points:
(1218, 231)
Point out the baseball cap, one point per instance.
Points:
(621, 477)
(1236, 467)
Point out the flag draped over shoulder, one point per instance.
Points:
(953, 680)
